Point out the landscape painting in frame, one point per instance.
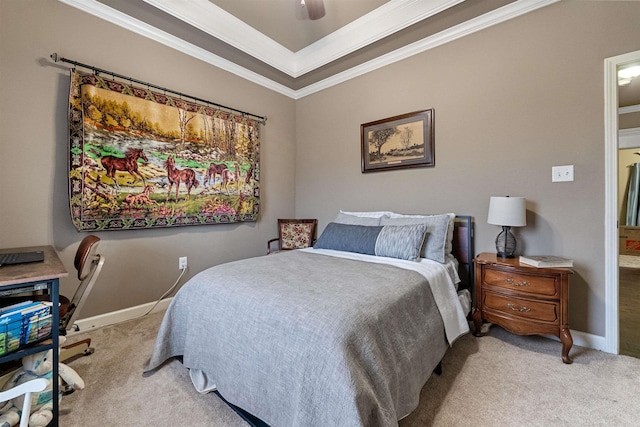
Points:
(398, 142)
(143, 159)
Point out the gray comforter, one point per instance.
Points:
(301, 339)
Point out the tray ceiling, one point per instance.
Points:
(269, 43)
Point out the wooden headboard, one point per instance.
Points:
(463, 249)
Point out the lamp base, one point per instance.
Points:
(506, 243)
(503, 255)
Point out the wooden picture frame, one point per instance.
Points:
(404, 141)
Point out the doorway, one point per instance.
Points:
(612, 329)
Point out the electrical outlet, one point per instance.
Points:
(182, 262)
(562, 173)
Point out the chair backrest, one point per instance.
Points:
(89, 264)
(32, 386)
(296, 233)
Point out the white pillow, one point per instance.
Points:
(372, 214)
(344, 218)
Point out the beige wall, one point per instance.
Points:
(510, 102)
(629, 120)
(34, 210)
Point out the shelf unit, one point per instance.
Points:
(34, 277)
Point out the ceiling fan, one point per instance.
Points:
(313, 9)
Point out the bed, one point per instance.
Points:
(341, 334)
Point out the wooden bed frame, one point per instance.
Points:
(463, 250)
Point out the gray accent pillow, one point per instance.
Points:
(437, 233)
(344, 218)
(448, 248)
(401, 241)
(349, 238)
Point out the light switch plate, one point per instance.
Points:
(562, 173)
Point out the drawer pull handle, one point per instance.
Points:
(513, 282)
(518, 308)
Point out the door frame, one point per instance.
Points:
(612, 337)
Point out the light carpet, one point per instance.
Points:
(499, 379)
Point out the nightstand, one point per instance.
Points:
(524, 300)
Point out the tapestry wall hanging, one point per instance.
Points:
(143, 159)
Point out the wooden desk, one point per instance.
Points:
(36, 276)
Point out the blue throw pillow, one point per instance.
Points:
(395, 241)
(349, 238)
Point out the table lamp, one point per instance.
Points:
(507, 212)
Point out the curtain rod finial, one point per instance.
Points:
(54, 56)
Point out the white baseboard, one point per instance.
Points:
(581, 339)
(584, 339)
(90, 323)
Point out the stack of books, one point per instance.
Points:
(546, 261)
(23, 323)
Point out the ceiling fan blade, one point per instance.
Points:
(315, 8)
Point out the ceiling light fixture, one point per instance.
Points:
(625, 75)
(314, 8)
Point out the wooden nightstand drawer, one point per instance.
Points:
(522, 308)
(522, 299)
(538, 285)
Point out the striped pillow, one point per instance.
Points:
(435, 244)
(401, 241)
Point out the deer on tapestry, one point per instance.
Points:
(229, 176)
(176, 176)
(132, 199)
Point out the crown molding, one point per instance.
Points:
(489, 19)
(629, 138)
(120, 19)
(388, 19)
(510, 11)
(215, 21)
(391, 17)
(629, 109)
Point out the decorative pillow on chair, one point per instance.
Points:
(295, 235)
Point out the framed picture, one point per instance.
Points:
(398, 142)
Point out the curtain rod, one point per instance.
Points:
(97, 70)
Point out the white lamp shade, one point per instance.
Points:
(510, 211)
